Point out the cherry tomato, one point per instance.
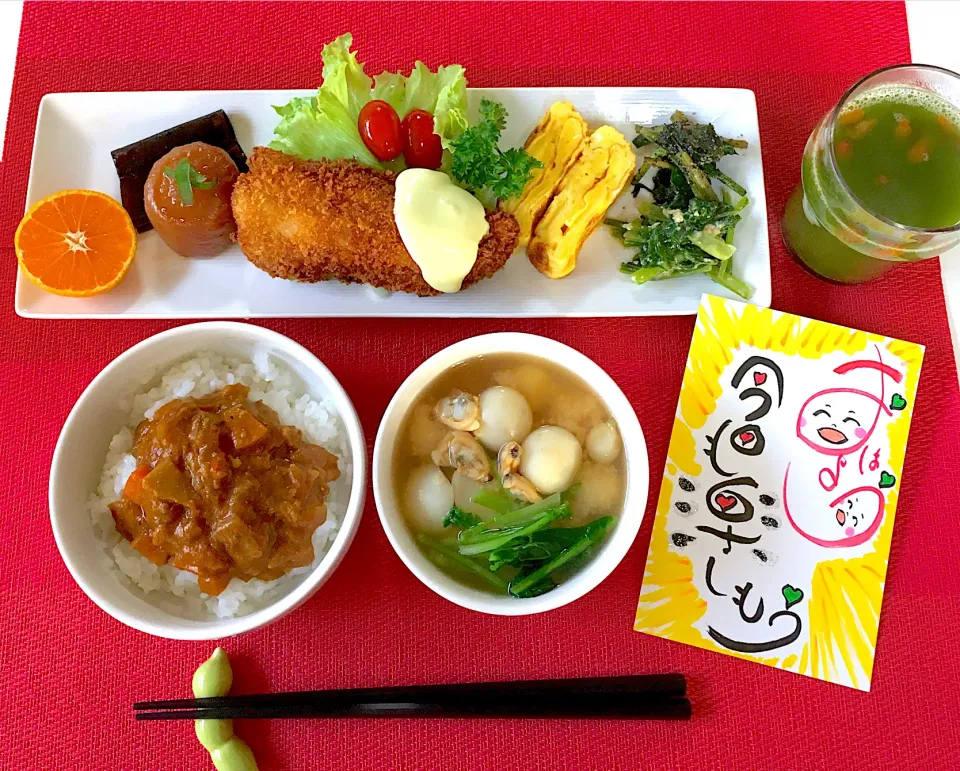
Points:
(379, 127)
(421, 147)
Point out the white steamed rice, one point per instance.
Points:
(271, 382)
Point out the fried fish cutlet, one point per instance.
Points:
(321, 220)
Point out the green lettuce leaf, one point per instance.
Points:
(442, 93)
(325, 126)
(391, 88)
(344, 80)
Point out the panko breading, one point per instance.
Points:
(321, 220)
(556, 142)
(585, 193)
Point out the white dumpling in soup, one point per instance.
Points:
(603, 443)
(429, 498)
(505, 417)
(550, 458)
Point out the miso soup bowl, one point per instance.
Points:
(82, 448)
(611, 551)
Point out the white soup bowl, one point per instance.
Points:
(617, 543)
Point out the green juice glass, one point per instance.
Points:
(880, 178)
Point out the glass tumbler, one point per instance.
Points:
(827, 228)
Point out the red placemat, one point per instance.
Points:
(70, 672)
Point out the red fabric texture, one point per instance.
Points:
(70, 673)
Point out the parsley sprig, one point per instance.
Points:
(478, 162)
(186, 178)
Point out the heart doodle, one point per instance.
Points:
(887, 479)
(759, 378)
(897, 402)
(725, 501)
(747, 436)
(792, 595)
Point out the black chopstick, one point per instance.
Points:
(666, 685)
(632, 696)
(621, 706)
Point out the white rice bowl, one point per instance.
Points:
(171, 589)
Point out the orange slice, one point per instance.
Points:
(76, 243)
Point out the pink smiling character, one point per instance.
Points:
(852, 519)
(840, 421)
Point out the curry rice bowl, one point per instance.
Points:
(171, 589)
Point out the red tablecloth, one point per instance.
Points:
(69, 672)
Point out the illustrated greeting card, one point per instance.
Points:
(776, 511)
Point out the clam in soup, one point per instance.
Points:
(510, 473)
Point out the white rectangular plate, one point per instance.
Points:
(76, 133)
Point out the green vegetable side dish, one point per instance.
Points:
(325, 126)
(688, 228)
(186, 178)
(229, 752)
(518, 551)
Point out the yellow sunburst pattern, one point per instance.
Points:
(813, 554)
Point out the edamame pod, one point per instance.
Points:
(213, 733)
(235, 755)
(214, 677)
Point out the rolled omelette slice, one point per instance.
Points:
(556, 142)
(585, 193)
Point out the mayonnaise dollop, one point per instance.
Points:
(440, 224)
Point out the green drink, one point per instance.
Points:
(898, 150)
(880, 177)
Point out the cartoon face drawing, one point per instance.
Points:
(855, 513)
(849, 519)
(838, 421)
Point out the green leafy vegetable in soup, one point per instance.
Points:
(457, 517)
(540, 547)
(536, 580)
(522, 539)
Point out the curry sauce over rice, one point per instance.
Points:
(223, 489)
